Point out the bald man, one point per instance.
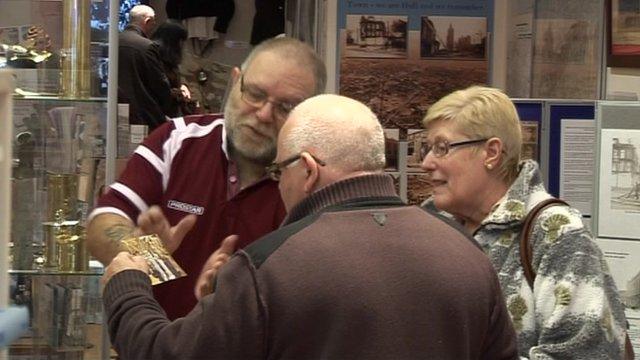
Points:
(352, 273)
(142, 82)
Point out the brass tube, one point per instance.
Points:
(75, 80)
(62, 197)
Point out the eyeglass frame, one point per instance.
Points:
(285, 107)
(425, 149)
(274, 170)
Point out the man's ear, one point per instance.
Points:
(493, 149)
(313, 172)
(235, 74)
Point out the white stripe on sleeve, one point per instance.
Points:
(131, 195)
(107, 210)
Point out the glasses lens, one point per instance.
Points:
(424, 150)
(441, 148)
(252, 98)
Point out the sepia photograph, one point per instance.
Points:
(566, 49)
(400, 91)
(529, 148)
(619, 187)
(376, 36)
(453, 37)
(625, 175)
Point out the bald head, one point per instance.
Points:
(343, 132)
(143, 16)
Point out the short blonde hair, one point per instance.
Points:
(483, 112)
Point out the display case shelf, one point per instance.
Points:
(64, 142)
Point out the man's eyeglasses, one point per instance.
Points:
(442, 147)
(258, 99)
(275, 169)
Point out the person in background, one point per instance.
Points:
(170, 37)
(209, 170)
(353, 273)
(472, 158)
(142, 82)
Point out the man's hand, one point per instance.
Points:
(204, 285)
(185, 91)
(124, 261)
(153, 221)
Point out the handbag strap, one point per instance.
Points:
(526, 251)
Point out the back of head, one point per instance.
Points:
(482, 112)
(140, 13)
(170, 35)
(296, 51)
(343, 132)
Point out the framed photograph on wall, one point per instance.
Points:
(623, 33)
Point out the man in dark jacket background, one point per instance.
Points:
(142, 82)
(353, 273)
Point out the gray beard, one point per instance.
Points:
(263, 159)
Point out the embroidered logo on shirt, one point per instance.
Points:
(184, 207)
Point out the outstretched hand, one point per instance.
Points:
(204, 284)
(124, 261)
(153, 221)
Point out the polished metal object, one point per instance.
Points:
(62, 194)
(75, 81)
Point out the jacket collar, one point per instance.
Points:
(526, 191)
(359, 187)
(135, 28)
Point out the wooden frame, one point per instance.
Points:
(623, 46)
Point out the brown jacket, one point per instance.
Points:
(352, 274)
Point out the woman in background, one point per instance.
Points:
(170, 36)
(472, 158)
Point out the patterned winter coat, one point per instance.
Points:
(574, 310)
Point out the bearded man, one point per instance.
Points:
(197, 179)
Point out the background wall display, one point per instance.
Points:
(418, 188)
(376, 36)
(623, 258)
(623, 33)
(416, 139)
(399, 57)
(391, 139)
(530, 113)
(519, 48)
(567, 47)
(554, 48)
(571, 153)
(618, 191)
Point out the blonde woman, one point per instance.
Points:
(472, 156)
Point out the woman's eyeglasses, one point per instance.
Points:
(442, 147)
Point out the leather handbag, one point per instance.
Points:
(526, 253)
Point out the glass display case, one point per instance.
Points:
(66, 138)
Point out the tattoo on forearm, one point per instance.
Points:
(118, 232)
